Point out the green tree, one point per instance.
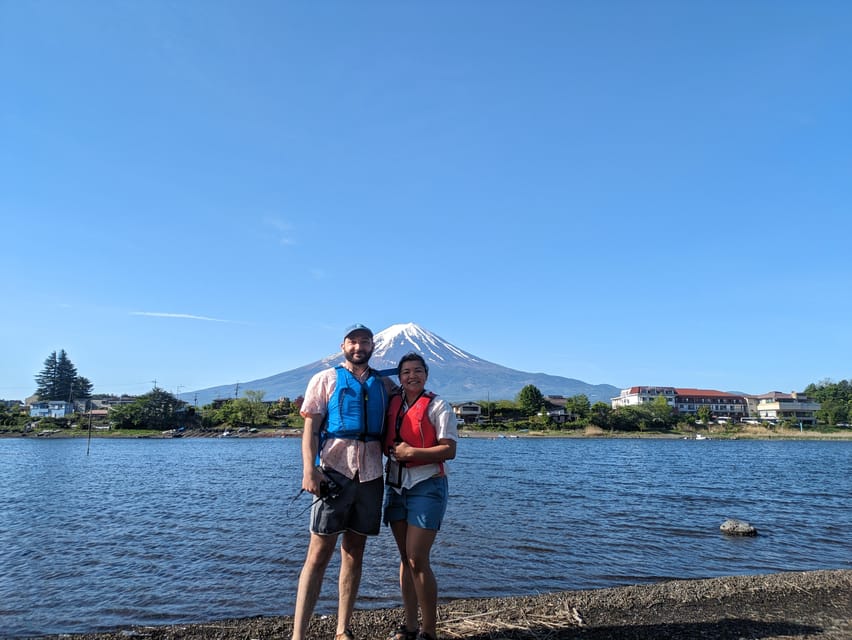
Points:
(8, 416)
(631, 418)
(257, 412)
(833, 411)
(156, 409)
(246, 411)
(599, 415)
(46, 380)
(489, 407)
(127, 416)
(81, 388)
(704, 414)
(56, 379)
(578, 406)
(530, 400)
(835, 399)
(662, 413)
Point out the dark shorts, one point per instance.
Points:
(357, 507)
(423, 505)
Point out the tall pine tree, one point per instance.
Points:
(58, 380)
(82, 388)
(46, 380)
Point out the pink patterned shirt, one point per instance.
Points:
(344, 455)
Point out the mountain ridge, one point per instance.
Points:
(454, 373)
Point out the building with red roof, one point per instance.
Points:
(769, 407)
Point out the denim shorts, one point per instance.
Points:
(423, 505)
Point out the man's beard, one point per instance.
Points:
(361, 357)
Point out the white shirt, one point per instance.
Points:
(446, 427)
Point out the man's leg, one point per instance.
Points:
(320, 551)
(351, 561)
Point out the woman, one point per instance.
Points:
(422, 434)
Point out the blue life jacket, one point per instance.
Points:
(356, 410)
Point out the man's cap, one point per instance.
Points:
(354, 328)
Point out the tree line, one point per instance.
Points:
(580, 412)
(835, 400)
(158, 409)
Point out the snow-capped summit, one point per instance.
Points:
(454, 374)
(398, 339)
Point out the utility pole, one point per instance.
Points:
(237, 391)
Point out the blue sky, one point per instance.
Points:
(203, 192)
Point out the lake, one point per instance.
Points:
(167, 531)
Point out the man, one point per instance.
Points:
(344, 411)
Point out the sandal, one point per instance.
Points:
(402, 633)
(346, 635)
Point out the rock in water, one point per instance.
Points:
(737, 528)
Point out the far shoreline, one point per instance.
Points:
(748, 433)
(659, 435)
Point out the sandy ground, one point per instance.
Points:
(812, 604)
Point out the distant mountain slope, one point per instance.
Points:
(454, 373)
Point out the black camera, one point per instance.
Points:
(329, 489)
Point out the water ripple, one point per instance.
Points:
(160, 532)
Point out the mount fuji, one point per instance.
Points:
(454, 374)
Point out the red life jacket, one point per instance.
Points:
(412, 426)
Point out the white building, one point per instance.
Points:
(643, 395)
(685, 401)
(775, 406)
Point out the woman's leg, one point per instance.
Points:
(406, 584)
(418, 546)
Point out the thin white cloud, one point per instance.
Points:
(284, 230)
(181, 316)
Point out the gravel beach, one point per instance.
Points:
(810, 604)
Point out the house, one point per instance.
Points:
(555, 409)
(775, 406)
(51, 409)
(467, 412)
(558, 415)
